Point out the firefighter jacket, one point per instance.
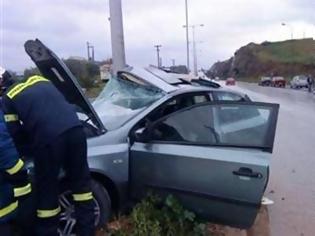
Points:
(13, 176)
(36, 113)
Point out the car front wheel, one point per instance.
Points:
(102, 209)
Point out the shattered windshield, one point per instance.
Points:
(123, 98)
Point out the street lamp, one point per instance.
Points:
(291, 29)
(187, 35)
(194, 46)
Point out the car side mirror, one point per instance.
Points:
(142, 134)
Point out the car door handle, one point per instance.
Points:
(244, 171)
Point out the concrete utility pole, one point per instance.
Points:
(117, 35)
(88, 50)
(89, 46)
(187, 35)
(173, 62)
(93, 59)
(158, 55)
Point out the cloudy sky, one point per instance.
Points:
(66, 26)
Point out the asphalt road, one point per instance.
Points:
(292, 178)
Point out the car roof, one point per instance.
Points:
(146, 75)
(196, 89)
(170, 82)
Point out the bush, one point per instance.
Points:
(150, 218)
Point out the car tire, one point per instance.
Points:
(102, 208)
(102, 197)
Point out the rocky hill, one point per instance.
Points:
(286, 58)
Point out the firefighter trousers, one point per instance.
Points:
(5, 229)
(67, 152)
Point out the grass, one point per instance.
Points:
(291, 51)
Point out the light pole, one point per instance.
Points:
(173, 62)
(93, 59)
(158, 55)
(290, 27)
(88, 50)
(194, 46)
(187, 34)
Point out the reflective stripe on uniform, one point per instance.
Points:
(48, 213)
(18, 166)
(11, 117)
(21, 191)
(82, 196)
(9, 209)
(20, 87)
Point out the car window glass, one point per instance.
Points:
(242, 125)
(184, 126)
(122, 99)
(177, 104)
(200, 99)
(236, 125)
(226, 96)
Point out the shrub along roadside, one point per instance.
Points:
(154, 217)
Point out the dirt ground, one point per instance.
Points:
(260, 227)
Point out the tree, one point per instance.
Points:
(86, 72)
(180, 69)
(30, 72)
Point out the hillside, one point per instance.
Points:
(286, 58)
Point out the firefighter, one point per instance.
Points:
(39, 113)
(14, 185)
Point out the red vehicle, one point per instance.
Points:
(230, 81)
(278, 81)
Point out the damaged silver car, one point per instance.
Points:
(150, 130)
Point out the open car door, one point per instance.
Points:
(54, 69)
(214, 157)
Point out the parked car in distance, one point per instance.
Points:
(265, 81)
(299, 81)
(278, 81)
(151, 132)
(230, 81)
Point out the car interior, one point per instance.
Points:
(175, 104)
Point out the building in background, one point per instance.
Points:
(106, 72)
